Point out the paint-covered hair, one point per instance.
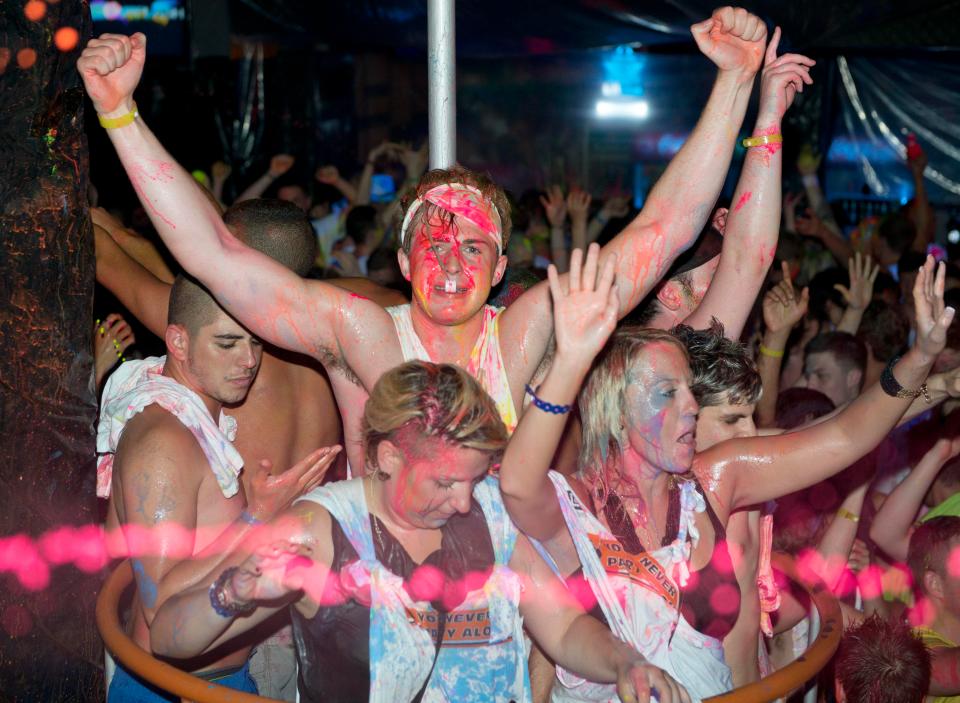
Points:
(438, 176)
(723, 371)
(420, 400)
(602, 400)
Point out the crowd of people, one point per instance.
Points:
(420, 440)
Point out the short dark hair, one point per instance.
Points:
(722, 369)
(277, 228)
(929, 547)
(882, 661)
(798, 406)
(884, 329)
(898, 231)
(360, 220)
(191, 305)
(849, 351)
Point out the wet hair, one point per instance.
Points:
(882, 661)
(602, 400)
(418, 400)
(191, 305)
(798, 406)
(930, 546)
(898, 231)
(723, 371)
(277, 228)
(438, 176)
(884, 329)
(849, 352)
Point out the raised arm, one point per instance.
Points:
(140, 292)
(863, 272)
(753, 224)
(133, 244)
(585, 314)
(782, 310)
(270, 300)
(279, 165)
(747, 471)
(578, 206)
(681, 201)
(893, 524)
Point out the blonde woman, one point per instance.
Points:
(411, 583)
(644, 518)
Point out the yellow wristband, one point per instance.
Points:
(847, 515)
(763, 140)
(122, 121)
(774, 353)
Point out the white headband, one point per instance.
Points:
(461, 200)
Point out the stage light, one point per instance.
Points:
(623, 109)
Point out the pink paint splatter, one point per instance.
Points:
(744, 199)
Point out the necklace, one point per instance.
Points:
(624, 529)
(373, 516)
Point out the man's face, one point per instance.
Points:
(682, 294)
(459, 256)
(823, 373)
(718, 423)
(222, 359)
(429, 488)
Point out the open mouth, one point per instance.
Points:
(457, 291)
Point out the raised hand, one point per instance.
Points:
(110, 67)
(637, 679)
(578, 204)
(782, 308)
(555, 206)
(733, 39)
(110, 339)
(585, 310)
(414, 160)
(810, 225)
(782, 78)
(220, 170)
(268, 494)
(719, 219)
(933, 319)
(808, 161)
(863, 272)
(327, 174)
(280, 164)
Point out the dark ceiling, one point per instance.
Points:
(497, 28)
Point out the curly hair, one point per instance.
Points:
(441, 401)
(430, 212)
(723, 371)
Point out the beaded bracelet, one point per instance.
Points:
(250, 519)
(218, 597)
(548, 407)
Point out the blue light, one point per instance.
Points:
(623, 67)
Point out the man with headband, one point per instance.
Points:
(453, 241)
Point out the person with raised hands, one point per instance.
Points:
(453, 234)
(753, 222)
(645, 517)
(387, 572)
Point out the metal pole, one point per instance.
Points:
(442, 79)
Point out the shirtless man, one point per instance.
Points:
(176, 497)
(453, 241)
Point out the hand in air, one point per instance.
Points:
(863, 272)
(578, 204)
(933, 319)
(782, 78)
(719, 219)
(271, 572)
(585, 307)
(809, 225)
(555, 206)
(280, 164)
(782, 308)
(327, 174)
(221, 171)
(733, 39)
(268, 494)
(110, 339)
(110, 67)
(636, 681)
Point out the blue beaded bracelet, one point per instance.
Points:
(548, 407)
(250, 519)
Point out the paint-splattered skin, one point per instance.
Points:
(753, 225)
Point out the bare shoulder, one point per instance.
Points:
(157, 440)
(308, 524)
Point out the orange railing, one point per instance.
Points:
(191, 688)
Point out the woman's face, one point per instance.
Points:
(660, 412)
(429, 486)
